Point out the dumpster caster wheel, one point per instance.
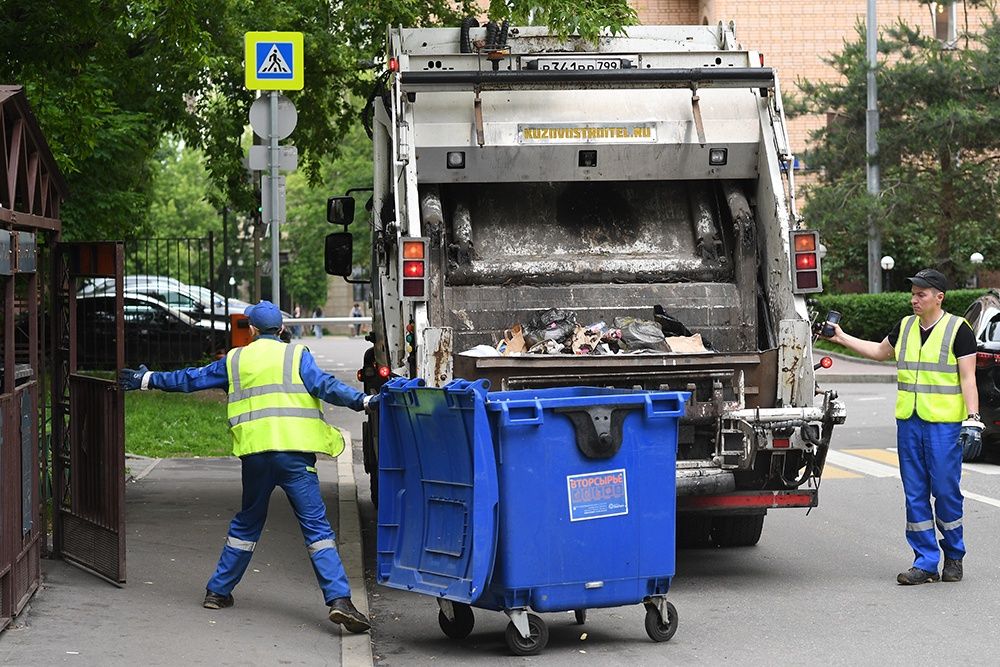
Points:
(518, 645)
(658, 629)
(581, 616)
(461, 627)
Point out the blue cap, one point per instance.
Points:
(265, 316)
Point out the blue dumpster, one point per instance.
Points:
(544, 500)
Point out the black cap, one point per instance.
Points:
(930, 278)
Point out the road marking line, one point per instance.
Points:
(983, 499)
(833, 472)
(880, 455)
(983, 468)
(878, 470)
(858, 464)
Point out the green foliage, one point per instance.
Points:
(304, 236)
(182, 192)
(938, 140)
(587, 18)
(872, 316)
(108, 78)
(165, 425)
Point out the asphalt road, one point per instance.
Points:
(819, 588)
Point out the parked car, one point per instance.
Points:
(194, 301)
(155, 333)
(130, 282)
(984, 316)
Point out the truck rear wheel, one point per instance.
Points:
(694, 531)
(737, 531)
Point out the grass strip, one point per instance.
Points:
(165, 425)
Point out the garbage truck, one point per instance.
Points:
(643, 177)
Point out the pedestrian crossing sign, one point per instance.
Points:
(274, 60)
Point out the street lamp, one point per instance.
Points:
(887, 263)
(976, 258)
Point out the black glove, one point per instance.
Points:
(131, 379)
(371, 403)
(971, 439)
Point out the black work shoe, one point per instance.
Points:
(343, 611)
(952, 570)
(216, 601)
(915, 576)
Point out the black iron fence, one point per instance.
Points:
(177, 305)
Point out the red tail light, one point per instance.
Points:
(806, 270)
(780, 443)
(826, 362)
(987, 359)
(413, 268)
(383, 372)
(360, 375)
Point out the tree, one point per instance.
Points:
(108, 78)
(939, 141)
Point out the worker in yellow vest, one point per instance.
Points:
(277, 425)
(937, 421)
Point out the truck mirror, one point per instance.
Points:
(340, 210)
(339, 257)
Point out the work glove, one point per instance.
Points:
(371, 403)
(131, 379)
(971, 439)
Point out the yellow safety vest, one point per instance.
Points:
(928, 379)
(269, 406)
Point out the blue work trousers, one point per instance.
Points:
(930, 463)
(295, 472)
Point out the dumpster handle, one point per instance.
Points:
(536, 419)
(674, 405)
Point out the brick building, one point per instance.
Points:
(796, 35)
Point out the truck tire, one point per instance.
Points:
(737, 531)
(694, 531)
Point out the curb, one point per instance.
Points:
(355, 650)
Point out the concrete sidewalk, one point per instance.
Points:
(177, 518)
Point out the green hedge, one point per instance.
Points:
(872, 316)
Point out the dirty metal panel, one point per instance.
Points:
(796, 377)
(437, 350)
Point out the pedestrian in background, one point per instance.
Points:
(297, 328)
(356, 312)
(318, 328)
(937, 422)
(277, 425)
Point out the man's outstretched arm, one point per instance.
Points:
(212, 376)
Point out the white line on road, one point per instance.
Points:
(984, 468)
(858, 464)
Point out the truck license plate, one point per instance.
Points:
(581, 63)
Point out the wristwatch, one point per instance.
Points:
(975, 416)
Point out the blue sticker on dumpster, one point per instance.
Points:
(597, 495)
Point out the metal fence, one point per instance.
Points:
(177, 312)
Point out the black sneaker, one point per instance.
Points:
(343, 611)
(915, 576)
(216, 601)
(952, 570)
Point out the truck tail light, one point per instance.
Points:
(413, 268)
(987, 359)
(781, 443)
(807, 274)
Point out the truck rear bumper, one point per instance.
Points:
(748, 500)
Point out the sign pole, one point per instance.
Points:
(274, 155)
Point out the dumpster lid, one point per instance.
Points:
(438, 489)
